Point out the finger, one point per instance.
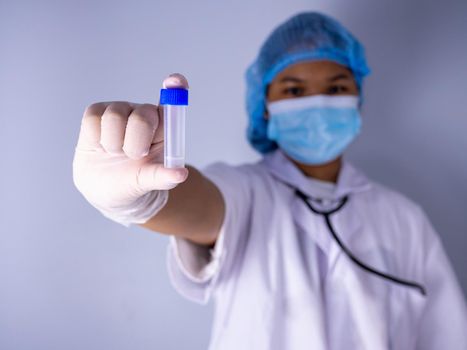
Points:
(159, 133)
(175, 80)
(113, 125)
(141, 126)
(155, 177)
(90, 131)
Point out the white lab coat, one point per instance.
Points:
(280, 281)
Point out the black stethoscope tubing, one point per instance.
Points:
(326, 215)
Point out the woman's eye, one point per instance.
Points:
(294, 91)
(337, 89)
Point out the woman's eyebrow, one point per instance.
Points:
(331, 79)
(339, 76)
(291, 79)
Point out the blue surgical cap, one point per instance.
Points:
(304, 37)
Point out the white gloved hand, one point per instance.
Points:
(118, 162)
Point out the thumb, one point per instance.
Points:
(175, 80)
(155, 177)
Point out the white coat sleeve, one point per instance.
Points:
(194, 270)
(444, 320)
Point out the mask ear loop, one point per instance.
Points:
(326, 215)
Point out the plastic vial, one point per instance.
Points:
(175, 102)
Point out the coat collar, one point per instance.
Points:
(347, 223)
(349, 181)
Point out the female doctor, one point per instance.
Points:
(299, 250)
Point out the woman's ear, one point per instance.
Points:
(266, 95)
(360, 104)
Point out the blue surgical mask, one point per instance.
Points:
(314, 129)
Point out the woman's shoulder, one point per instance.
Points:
(373, 194)
(393, 203)
(390, 194)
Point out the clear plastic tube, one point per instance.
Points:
(174, 136)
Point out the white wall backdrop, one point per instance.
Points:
(72, 279)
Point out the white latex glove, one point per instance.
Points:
(118, 164)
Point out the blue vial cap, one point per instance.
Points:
(174, 97)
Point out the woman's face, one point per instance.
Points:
(311, 78)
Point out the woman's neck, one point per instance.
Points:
(327, 172)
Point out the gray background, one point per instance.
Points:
(72, 279)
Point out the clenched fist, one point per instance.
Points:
(118, 161)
